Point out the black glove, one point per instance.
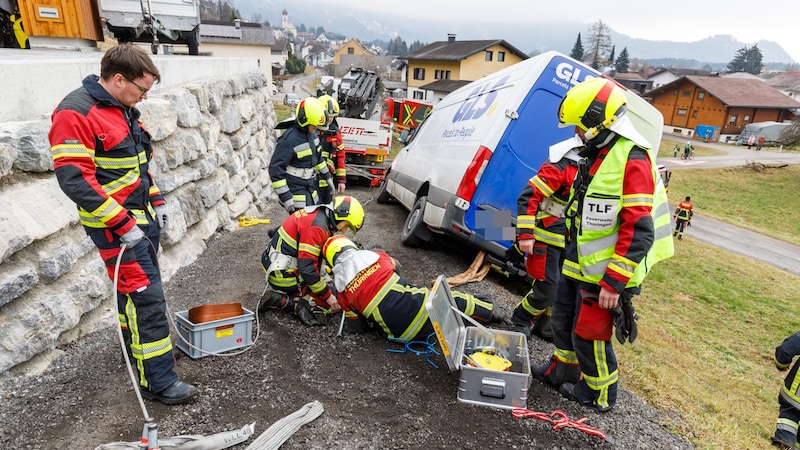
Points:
(303, 311)
(625, 319)
(514, 255)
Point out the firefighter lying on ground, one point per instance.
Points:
(292, 259)
(373, 295)
(789, 398)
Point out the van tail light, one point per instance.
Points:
(473, 175)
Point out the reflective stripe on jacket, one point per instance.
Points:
(598, 226)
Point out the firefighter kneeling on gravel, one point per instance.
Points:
(372, 294)
(292, 260)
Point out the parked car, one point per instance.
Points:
(291, 99)
(462, 172)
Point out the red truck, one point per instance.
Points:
(403, 113)
(366, 147)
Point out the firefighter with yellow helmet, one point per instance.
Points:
(297, 165)
(332, 151)
(617, 215)
(372, 294)
(292, 258)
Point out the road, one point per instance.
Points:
(737, 240)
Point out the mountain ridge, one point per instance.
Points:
(715, 51)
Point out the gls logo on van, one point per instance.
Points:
(479, 101)
(567, 74)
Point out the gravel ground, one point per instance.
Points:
(373, 399)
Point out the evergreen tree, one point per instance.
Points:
(294, 65)
(613, 52)
(577, 49)
(623, 63)
(416, 45)
(747, 60)
(397, 47)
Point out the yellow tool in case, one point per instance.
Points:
(494, 366)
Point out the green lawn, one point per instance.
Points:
(710, 319)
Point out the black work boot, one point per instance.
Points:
(522, 321)
(177, 392)
(273, 300)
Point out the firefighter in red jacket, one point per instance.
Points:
(332, 151)
(297, 165)
(101, 155)
(372, 294)
(683, 216)
(540, 235)
(789, 398)
(615, 217)
(292, 259)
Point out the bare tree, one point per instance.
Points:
(599, 45)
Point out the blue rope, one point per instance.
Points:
(428, 347)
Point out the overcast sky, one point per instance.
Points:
(673, 20)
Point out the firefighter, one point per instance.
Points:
(101, 156)
(540, 235)
(785, 435)
(683, 217)
(297, 165)
(292, 259)
(615, 217)
(373, 295)
(332, 151)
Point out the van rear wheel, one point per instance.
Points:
(383, 196)
(414, 225)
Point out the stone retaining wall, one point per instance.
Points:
(213, 141)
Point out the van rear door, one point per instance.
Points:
(523, 148)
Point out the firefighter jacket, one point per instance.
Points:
(297, 165)
(333, 152)
(298, 244)
(684, 211)
(541, 204)
(618, 221)
(784, 354)
(369, 288)
(101, 156)
(374, 291)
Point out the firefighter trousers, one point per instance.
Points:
(141, 305)
(541, 294)
(575, 307)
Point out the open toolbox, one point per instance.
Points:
(494, 365)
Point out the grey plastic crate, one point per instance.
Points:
(216, 336)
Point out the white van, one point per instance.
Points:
(462, 172)
(174, 21)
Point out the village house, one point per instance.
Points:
(719, 106)
(238, 40)
(437, 69)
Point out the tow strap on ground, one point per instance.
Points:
(246, 221)
(475, 272)
(559, 420)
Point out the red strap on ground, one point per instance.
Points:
(559, 420)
